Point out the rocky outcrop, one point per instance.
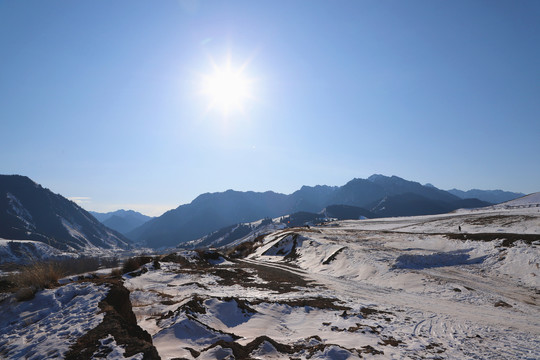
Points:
(120, 323)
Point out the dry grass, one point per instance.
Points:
(45, 274)
(247, 247)
(116, 272)
(134, 263)
(39, 275)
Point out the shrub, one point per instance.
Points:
(79, 265)
(45, 274)
(134, 263)
(116, 272)
(38, 275)
(111, 262)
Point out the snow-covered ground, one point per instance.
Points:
(76, 320)
(46, 326)
(456, 286)
(531, 200)
(393, 288)
(25, 250)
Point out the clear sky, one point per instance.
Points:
(108, 101)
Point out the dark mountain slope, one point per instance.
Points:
(30, 212)
(394, 185)
(211, 212)
(491, 196)
(311, 198)
(122, 221)
(347, 212)
(207, 213)
(357, 192)
(410, 204)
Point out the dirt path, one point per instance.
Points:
(457, 327)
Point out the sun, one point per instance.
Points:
(227, 88)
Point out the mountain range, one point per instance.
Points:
(122, 220)
(30, 212)
(377, 195)
(492, 196)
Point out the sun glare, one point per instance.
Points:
(227, 88)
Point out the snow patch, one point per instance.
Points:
(216, 352)
(20, 212)
(46, 326)
(110, 350)
(28, 250)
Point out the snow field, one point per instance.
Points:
(409, 289)
(46, 326)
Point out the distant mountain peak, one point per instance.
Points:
(491, 196)
(375, 177)
(380, 177)
(122, 220)
(209, 212)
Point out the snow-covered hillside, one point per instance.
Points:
(45, 327)
(30, 212)
(531, 200)
(457, 286)
(28, 250)
(232, 235)
(395, 288)
(78, 320)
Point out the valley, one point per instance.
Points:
(347, 290)
(255, 180)
(410, 287)
(463, 284)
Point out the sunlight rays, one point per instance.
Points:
(228, 88)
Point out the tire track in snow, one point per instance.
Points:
(511, 334)
(498, 286)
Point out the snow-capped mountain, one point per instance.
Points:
(30, 212)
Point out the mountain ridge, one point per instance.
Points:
(121, 220)
(32, 212)
(210, 212)
(492, 196)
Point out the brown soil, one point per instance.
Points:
(508, 239)
(390, 341)
(366, 312)
(276, 279)
(193, 306)
(503, 220)
(501, 303)
(242, 352)
(246, 248)
(318, 303)
(333, 256)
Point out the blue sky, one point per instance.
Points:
(101, 99)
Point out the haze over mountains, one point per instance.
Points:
(378, 195)
(122, 220)
(31, 212)
(492, 196)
